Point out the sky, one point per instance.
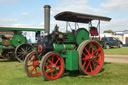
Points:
(30, 13)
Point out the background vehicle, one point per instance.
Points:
(14, 43)
(109, 42)
(70, 50)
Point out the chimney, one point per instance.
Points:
(47, 19)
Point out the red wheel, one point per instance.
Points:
(32, 64)
(91, 57)
(52, 66)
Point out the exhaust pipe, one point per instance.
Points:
(47, 19)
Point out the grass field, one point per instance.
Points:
(116, 51)
(12, 73)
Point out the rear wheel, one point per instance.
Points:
(32, 64)
(106, 46)
(91, 57)
(120, 45)
(22, 50)
(52, 66)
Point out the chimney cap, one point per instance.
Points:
(47, 6)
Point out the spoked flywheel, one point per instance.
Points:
(22, 50)
(91, 57)
(32, 64)
(52, 66)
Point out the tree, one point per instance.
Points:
(108, 31)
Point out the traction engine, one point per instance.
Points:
(70, 51)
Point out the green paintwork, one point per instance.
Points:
(15, 41)
(1, 48)
(60, 47)
(5, 41)
(70, 37)
(18, 39)
(70, 55)
(21, 29)
(82, 35)
(72, 60)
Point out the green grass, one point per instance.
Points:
(12, 73)
(116, 51)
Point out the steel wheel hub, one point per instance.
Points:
(53, 66)
(92, 58)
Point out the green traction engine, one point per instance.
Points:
(13, 44)
(70, 51)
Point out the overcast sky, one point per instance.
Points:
(29, 13)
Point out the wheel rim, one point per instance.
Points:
(92, 58)
(33, 65)
(22, 51)
(53, 66)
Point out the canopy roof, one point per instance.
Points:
(21, 29)
(78, 17)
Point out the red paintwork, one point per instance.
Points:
(35, 64)
(93, 31)
(49, 70)
(91, 51)
(40, 48)
(6, 42)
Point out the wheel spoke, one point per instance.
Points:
(36, 71)
(91, 67)
(20, 52)
(31, 60)
(87, 66)
(97, 51)
(92, 48)
(94, 65)
(52, 74)
(98, 62)
(29, 49)
(97, 55)
(57, 61)
(85, 58)
(87, 51)
(84, 54)
(58, 66)
(29, 65)
(22, 57)
(22, 49)
(50, 61)
(26, 47)
(89, 47)
(56, 71)
(32, 69)
(49, 71)
(84, 64)
(19, 55)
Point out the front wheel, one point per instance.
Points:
(32, 64)
(52, 66)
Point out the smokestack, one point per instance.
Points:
(47, 19)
